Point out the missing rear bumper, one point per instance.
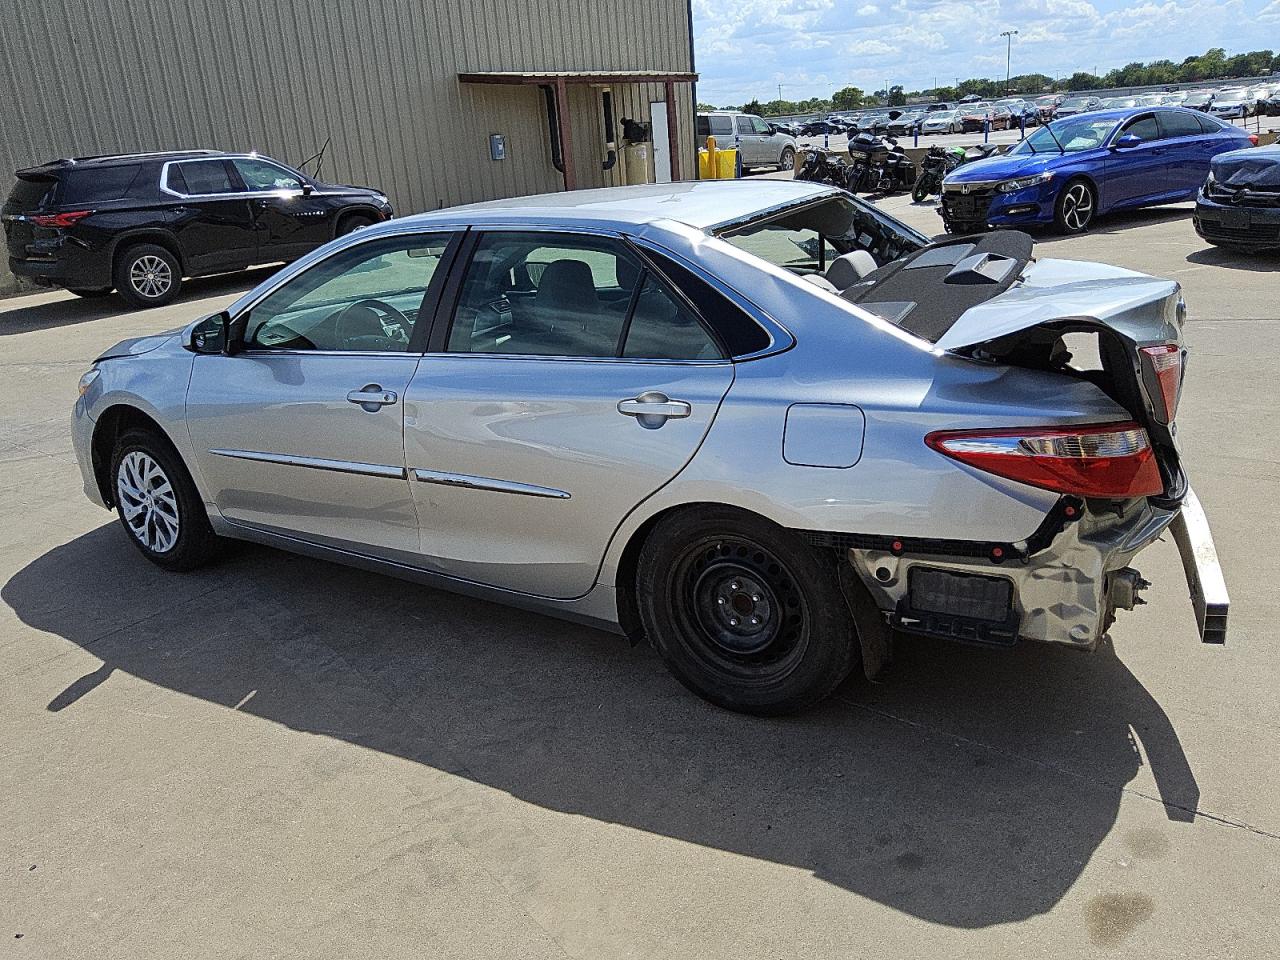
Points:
(1203, 571)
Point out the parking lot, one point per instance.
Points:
(278, 757)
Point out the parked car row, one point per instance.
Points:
(139, 223)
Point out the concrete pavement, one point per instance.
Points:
(278, 757)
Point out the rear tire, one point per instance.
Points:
(787, 161)
(147, 275)
(159, 506)
(744, 613)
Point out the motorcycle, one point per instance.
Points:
(824, 166)
(940, 161)
(879, 165)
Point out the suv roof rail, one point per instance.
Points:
(66, 161)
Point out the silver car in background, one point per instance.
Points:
(761, 424)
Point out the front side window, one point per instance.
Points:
(760, 126)
(366, 298)
(1144, 128)
(202, 178)
(261, 175)
(560, 295)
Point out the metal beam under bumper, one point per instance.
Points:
(1204, 573)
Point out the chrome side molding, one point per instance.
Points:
(488, 483)
(316, 463)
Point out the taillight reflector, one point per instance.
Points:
(1106, 460)
(67, 219)
(1165, 361)
(1253, 139)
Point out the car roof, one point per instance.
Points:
(116, 159)
(701, 204)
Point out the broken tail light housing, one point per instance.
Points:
(68, 219)
(1112, 461)
(1162, 375)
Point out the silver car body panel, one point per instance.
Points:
(459, 482)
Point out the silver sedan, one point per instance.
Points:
(762, 425)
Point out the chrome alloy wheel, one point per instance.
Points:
(150, 276)
(147, 502)
(1077, 206)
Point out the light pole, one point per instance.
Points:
(1008, 57)
(779, 93)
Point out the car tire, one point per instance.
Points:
(158, 504)
(352, 222)
(1075, 207)
(147, 275)
(88, 294)
(744, 613)
(787, 161)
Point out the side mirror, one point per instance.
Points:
(209, 335)
(1128, 142)
(308, 189)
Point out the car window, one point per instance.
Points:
(722, 126)
(262, 175)
(201, 177)
(364, 298)
(93, 185)
(760, 126)
(561, 295)
(1145, 128)
(1177, 124)
(742, 125)
(1208, 124)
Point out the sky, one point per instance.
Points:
(745, 48)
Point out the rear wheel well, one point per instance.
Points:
(159, 238)
(628, 563)
(114, 423)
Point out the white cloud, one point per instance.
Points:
(745, 48)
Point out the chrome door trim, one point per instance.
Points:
(488, 483)
(316, 463)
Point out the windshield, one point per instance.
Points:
(943, 115)
(806, 239)
(1075, 103)
(1074, 134)
(1231, 95)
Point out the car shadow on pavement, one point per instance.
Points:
(1267, 261)
(1119, 221)
(969, 789)
(71, 309)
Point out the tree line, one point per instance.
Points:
(1214, 64)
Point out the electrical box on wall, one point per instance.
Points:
(497, 146)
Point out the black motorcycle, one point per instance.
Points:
(878, 165)
(940, 161)
(824, 166)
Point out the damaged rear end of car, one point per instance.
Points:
(1119, 483)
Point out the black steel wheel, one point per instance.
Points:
(743, 612)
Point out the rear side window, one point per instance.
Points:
(101, 183)
(734, 327)
(744, 126)
(1208, 124)
(201, 177)
(1177, 124)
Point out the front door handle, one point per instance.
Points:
(372, 397)
(653, 409)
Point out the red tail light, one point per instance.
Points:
(68, 219)
(1110, 460)
(1253, 139)
(1165, 363)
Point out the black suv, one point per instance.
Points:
(141, 223)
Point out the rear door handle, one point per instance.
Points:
(653, 409)
(372, 397)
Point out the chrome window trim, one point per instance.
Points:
(315, 463)
(468, 482)
(233, 195)
(560, 358)
(268, 352)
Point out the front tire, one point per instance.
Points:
(353, 222)
(159, 506)
(921, 189)
(744, 613)
(1075, 207)
(147, 275)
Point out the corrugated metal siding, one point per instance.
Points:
(376, 77)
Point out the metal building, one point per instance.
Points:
(436, 102)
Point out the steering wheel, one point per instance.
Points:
(371, 324)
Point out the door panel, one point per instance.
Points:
(289, 221)
(294, 454)
(552, 425)
(1139, 173)
(211, 217)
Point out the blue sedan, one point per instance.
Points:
(1076, 168)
